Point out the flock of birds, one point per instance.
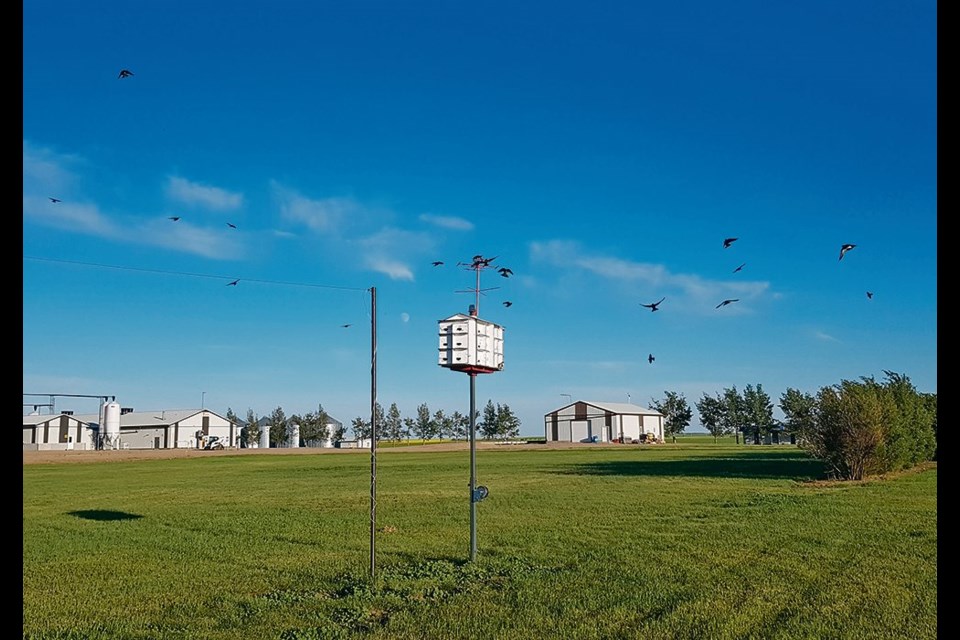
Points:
(126, 73)
(727, 243)
(481, 262)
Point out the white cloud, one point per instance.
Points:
(69, 216)
(182, 236)
(826, 337)
(394, 269)
(192, 193)
(447, 222)
(697, 291)
(45, 172)
(324, 215)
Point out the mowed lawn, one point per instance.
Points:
(689, 540)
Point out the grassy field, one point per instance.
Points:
(678, 541)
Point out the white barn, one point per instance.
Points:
(585, 420)
(177, 429)
(56, 431)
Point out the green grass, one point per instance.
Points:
(685, 541)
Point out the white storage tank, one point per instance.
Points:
(294, 431)
(265, 436)
(111, 424)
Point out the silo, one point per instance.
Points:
(111, 424)
(294, 441)
(265, 436)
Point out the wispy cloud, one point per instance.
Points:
(699, 291)
(45, 169)
(826, 337)
(195, 194)
(47, 172)
(321, 215)
(393, 269)
(390, 250)
(81, 218)
(182, 236)
(447, 222)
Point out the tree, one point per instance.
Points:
(339, 433)
(710, 409)
(758, 410)
(866, 427)
(444, 424)
(423, 425)
(278, 428)
(930, 402)
(733, 414)
(488, 425)
(461, 426)
(314, 426)
(508, 424)
(409, 426)
(380, 418)
(850, 425)
(232, 417)
(911, 438)
(252, 435)
(361, 428)
(799, 412)
(393, 424)
(676, 413)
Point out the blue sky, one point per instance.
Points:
(601, 151)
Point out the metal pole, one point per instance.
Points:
(477, 295)
(473, 466)
(373, 431)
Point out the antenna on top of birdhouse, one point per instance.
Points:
(478, 264)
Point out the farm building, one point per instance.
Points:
(64, 430)
(584, 420)
(124, 428)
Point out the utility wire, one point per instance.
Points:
(196, 275)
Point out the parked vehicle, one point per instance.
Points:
(213, 443)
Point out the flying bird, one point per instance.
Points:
(650, 358)
(653, 305)
(506, 273)
(844, 249)
(437, 263)
(728, 241)
(345, 325)
(870, 295)
(233, 284)
(125, 73)
(55, 200)
(231, 225)
(480, 261)
(174, 218)
(726, 302)
(740, 267)
(507, 303)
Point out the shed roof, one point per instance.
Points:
(34, 419)
(619, 408)
(151, 418)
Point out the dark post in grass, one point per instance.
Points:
(373, 431)
(471, 345)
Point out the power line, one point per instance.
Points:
(196, 275)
